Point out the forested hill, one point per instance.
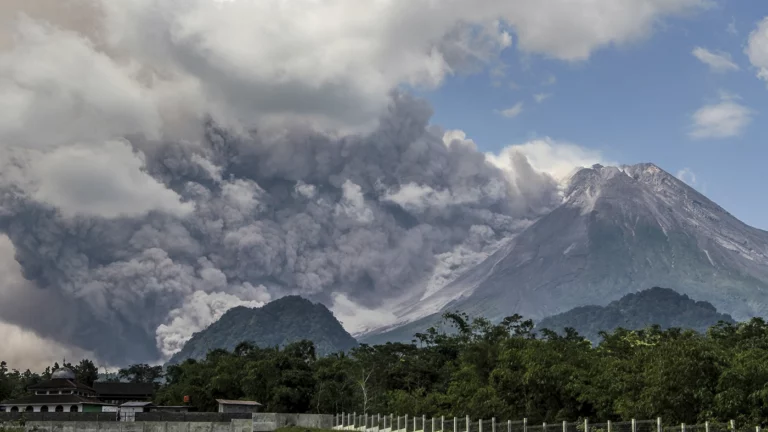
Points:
(661, 306)
(283, 321)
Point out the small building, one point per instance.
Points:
(119, 393)
(238, 406)
(61, 393)
(128, 410)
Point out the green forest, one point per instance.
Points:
(473, 367)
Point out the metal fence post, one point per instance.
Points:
(525, 425)
(493, 424)
(398, 422)
(565, 426)
(480, 425)
(423, 422)
(733, 425)
(706, 426)
(467, 423)
(433, 425)
(544, 426)
(682, 427)
(509, 425)
(609, 426)
(455, 424)
(634, 425)
(658, 425)
(586, 425)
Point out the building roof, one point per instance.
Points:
(136, 404)
(59, 383)
(53, 400)
(123, 388)
(237, 402)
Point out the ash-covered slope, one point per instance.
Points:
(621, 231)
(278, 323)
(618, 231)
(655, 306)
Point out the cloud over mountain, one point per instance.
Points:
(161, 161)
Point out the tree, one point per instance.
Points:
(142, 373)
(86, 372)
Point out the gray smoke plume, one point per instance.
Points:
(163, 161)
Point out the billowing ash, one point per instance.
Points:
(297, 214)
(163, 161)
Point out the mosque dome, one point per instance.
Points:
(63, 373)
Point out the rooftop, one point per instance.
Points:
(237, 402)
(123, 388)
(136, 404)
(59, 383)
(53, 400)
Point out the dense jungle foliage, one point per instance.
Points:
(484, 370)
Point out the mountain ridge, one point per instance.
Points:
(655, 306)
(618, 230)
(277, 323)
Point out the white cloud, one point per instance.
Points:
(731, 29)
(331, 62)
(558, 159)
(356, 318)
(200, 310)
(724, 119)
(541, 97)
(757, 49)
(106, 181)
(513, 111)
(717, 61)
(688, 176)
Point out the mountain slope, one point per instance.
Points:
(618, 231)
(288, 319)
(661, 306)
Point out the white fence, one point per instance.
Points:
(392, 423)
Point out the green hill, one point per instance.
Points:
(283, 321)
(661, 306)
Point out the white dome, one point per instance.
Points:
(63, 373)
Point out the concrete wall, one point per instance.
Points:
(49, 426)
(264, 422)
(260, 422)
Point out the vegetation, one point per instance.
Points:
(661, 306)
(278, 323)
(505, 370)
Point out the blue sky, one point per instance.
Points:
(634, 103)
